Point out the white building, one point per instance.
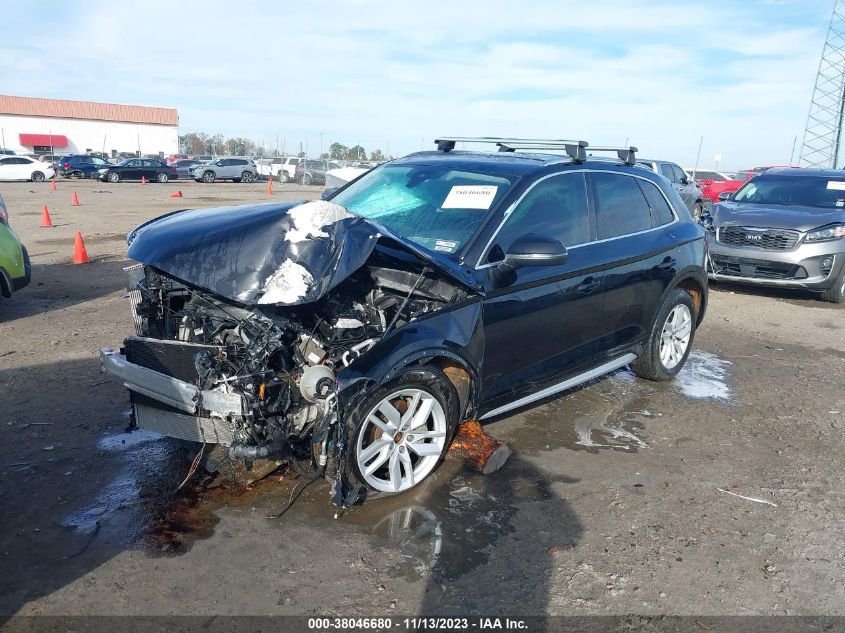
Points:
(42, 126)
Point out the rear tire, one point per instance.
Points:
(283, 177)
(306, 179)
(369, 445)
(162, 177)
(37, 176)
(247, 177)
(670, 341)
(836, 294)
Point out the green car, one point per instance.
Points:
(15, 271)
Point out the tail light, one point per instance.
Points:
(4, 216)
(67, 165)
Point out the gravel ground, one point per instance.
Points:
(623, 496)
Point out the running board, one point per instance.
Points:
(563, 386)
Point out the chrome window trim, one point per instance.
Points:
(510, 209)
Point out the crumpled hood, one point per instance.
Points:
(283, 254)
(775, 216)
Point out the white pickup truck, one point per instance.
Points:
(282, 168)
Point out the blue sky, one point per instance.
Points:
(660, 73)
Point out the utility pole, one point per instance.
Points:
(321, 146)
(823, 132)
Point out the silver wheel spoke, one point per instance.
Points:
(425, 450)
(374, 448)
(422, 413)
(413, 404)
(387, 429)
(394, 418)
(405, 460)
(395, 468)
(378, 461)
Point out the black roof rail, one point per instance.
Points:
(575, 149)
(626, 154)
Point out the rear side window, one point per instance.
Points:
(556, 207)
(294, 161)
(239, 162)
(621, 207)
(661, 212)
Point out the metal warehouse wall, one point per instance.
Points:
(82, 134)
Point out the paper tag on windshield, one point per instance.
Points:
(445, 245)
(471, 197)
(839, 185)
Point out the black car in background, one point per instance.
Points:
(81, 166)
(152, 169)
(313, 172)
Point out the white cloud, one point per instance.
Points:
(660, 73)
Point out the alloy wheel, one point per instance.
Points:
(675, 336)
(401, 440)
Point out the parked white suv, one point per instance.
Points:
(283, 167)
(234, 168)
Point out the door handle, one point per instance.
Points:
(588, 286)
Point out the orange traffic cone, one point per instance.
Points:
(52, 185)
(143, 180)
(176, 194)
(46, 221)
(269, 186)
(80, 255)
(74, 200)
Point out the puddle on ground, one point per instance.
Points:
(705, 377)
(121, 509)
(454, 522)
(612, 412)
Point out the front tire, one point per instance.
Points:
(671, 338)
(697, 210)
(113, 176)
(283, 177)
(208, 176)
(836, 293)
(37, 176)
(399, 434)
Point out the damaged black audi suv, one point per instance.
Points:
(355, 334)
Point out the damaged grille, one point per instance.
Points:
(134, 274)
(766, 239)
(172, 358)
(758, 268)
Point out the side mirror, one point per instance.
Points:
(684, 180)
(533, 250)
(726, 195)
(328, 192)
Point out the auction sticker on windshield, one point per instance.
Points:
(470, 197)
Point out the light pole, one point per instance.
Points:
(321, 146)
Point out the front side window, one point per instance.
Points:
(621, 207)
(555, 207)
(666, 170)
(436, 206)
(680, 175)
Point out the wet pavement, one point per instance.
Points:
(443, 527)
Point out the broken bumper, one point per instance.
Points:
(207, 409)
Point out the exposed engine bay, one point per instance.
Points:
(281, 361)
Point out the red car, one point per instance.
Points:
(747, 174)
(713, 183)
